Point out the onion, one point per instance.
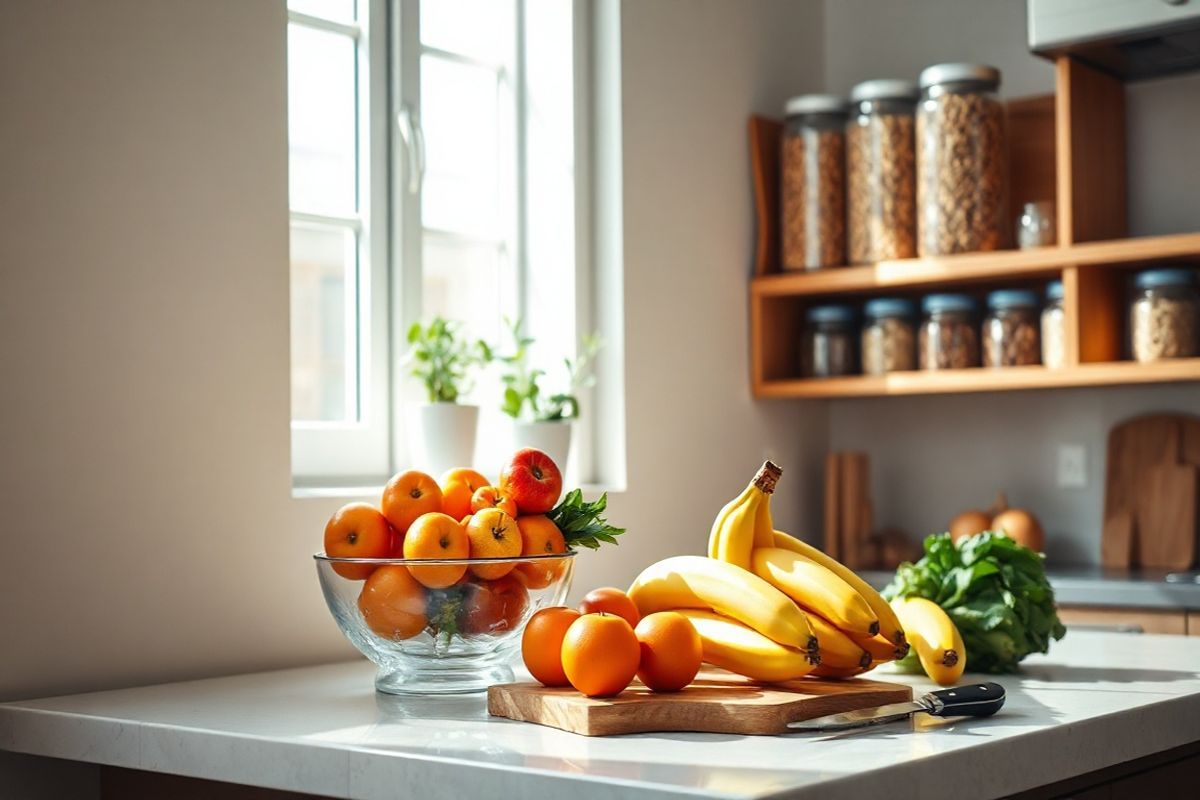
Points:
(969, 523)
(1022, 527)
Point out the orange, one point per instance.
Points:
(541, 644)
(540, 536)
(600, 654)
(357, 530)
(671, 651)
(494, 606)
(407, 496)
(610, 601)
(436, 535)
(393, 603)
(458, 486)
(493, 497)
(493, 534)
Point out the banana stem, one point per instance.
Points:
(768, 475)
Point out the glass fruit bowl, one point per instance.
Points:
(441, 626)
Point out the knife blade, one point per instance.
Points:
(971, 700)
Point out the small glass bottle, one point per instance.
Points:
(889, 342)
(1054, 327)
(828, 347)
(948, 339)
(1164, 317)
(1010, 330)
(812, 190)
(1036, 226)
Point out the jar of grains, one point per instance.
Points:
(1164, 317)
(1010, 330)
(889, 337)
(947, 339)
(961, 161)
(881, 172)
(1054, 327)
(828, 347)
(813, 182)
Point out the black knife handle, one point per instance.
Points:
(968, 700)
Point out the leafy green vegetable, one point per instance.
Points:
(993, 589)
(581, 523)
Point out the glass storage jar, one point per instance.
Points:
(1010, 329)
(1054, 327)
(1164, 317)
(813, 182)
(828, 346)
(1036, 227)
(889, 340)
(881, 172)
(947, 339)
(961, 160)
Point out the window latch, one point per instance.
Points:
(409, 125)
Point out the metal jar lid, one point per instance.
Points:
(1012, 298)
(940, 303)
(815, 104)
(884, 89)
(1163, 277)
(956, 72)
(1054, 290)
(890, 307)
(830, 314)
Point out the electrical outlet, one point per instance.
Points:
(1072, 466)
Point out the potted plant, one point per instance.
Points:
(540, 420)
(442, 431)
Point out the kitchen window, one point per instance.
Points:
(434, 148)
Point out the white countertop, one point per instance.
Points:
(1098, 699)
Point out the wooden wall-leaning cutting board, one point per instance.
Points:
(718, 702)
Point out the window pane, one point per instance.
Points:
(469, 282)
(324, 324)
(463, 149)
(321, 121)
(336, 10)
(482, 29)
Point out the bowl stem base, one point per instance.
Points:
(441, 679)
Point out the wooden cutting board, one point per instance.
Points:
(718, 702)
(1166, 517)
(1135, 446)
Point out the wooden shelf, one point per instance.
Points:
(985, 380)
(1069, 148)
(993, 267)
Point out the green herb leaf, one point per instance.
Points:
(582, 524)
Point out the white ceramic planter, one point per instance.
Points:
(552, 438)
(441, 436)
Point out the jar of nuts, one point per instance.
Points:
(813, 182)
(1010, 330)
(881, 172)
(889, 336)
(961, 161)
(947, 339)
(828, 347)
(1164, 317)
(1054, 327)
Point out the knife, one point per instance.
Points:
(971, 700)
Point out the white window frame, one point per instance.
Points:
(328, 455)
(355, 451)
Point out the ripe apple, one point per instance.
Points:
(532, 480)
(494, 606)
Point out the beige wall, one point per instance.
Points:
(149, 531)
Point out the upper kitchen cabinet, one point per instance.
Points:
(1066, 150)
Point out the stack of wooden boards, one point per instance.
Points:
(1150, 493)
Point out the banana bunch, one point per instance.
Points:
(769, 606)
